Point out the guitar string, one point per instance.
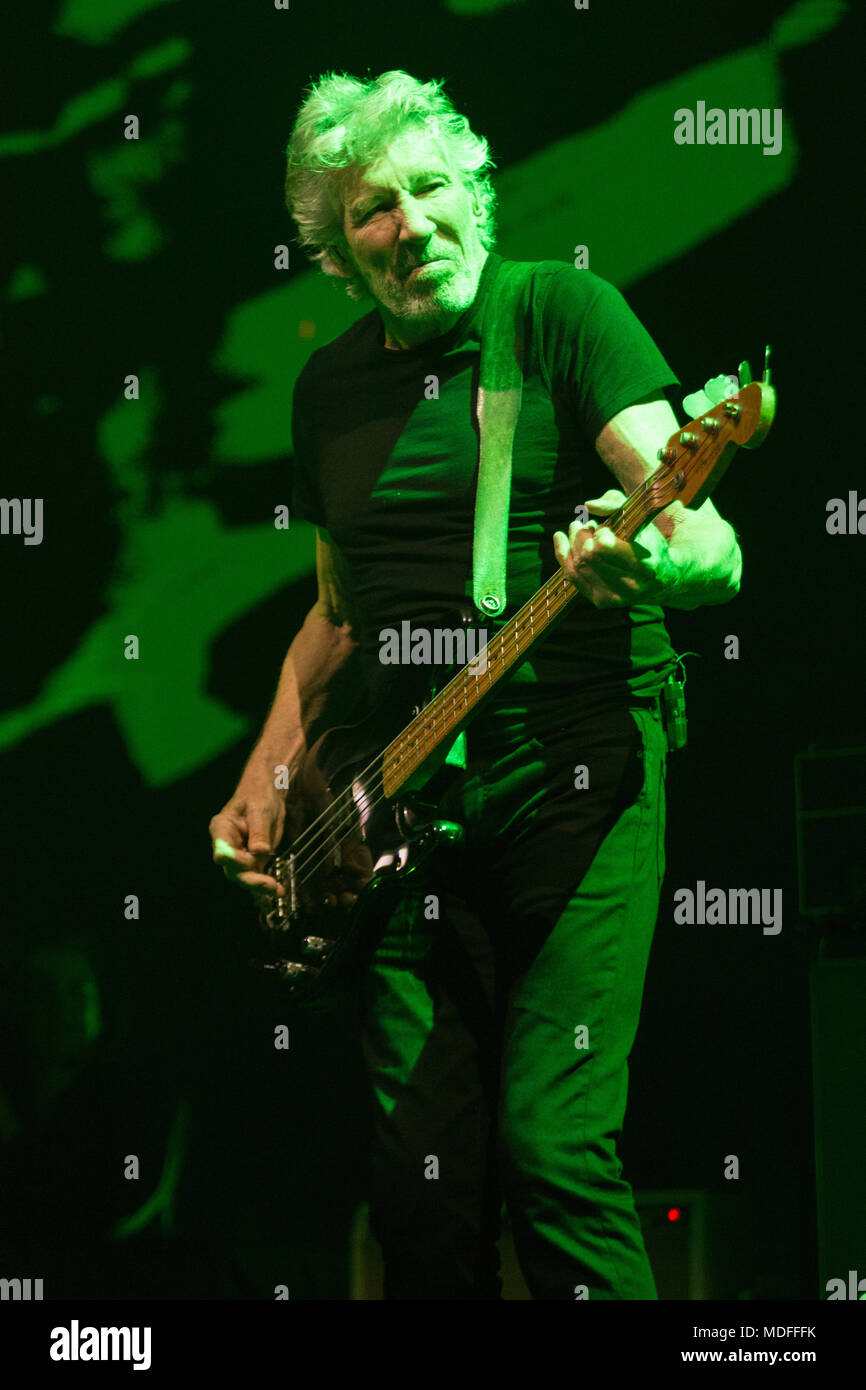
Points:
(344, 812)
(349, 808)
(434, 713)
(636, 503)
(632, 505)
(430, 715)
(345, 809)
(436, 710)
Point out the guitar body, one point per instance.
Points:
(343, 836)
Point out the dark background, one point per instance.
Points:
(274, 1161)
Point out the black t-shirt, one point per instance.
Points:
(386, 458)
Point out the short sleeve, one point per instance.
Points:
(598, 355)
(306, 501)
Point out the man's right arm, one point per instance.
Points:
(250, 825)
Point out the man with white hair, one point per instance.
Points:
(496, 1034)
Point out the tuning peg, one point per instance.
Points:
(767, 377)
(744, 372)
(718, 389)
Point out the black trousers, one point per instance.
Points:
(499, 1014)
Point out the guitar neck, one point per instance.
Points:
(452, 708)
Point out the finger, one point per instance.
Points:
(256, 882)
(230, 832)
(605, 548)
(225, 854)
(263, 900)
(260, 837)
(604, 573)
(610, 501)
(570, 560)
(605, 539)
(568, 549)
(577, 527)
(610, 575)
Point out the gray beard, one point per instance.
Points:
(450, 296)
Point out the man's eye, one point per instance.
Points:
(380, 207)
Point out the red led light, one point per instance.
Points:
(674, 1213)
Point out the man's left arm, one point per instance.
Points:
(686, 558)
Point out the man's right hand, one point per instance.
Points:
(245, 834)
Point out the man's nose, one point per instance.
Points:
(415, 223)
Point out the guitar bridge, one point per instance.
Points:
(291, 882)
(284, 909)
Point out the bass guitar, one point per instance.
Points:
(355, 822)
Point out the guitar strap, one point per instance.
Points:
(499, 397)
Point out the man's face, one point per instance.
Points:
(407, 208)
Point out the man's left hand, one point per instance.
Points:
(607, 570)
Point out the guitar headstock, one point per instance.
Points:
(696, 457)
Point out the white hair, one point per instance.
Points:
(345, 122)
